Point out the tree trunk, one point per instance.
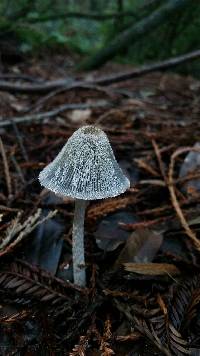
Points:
(119, 21)
(134, 33)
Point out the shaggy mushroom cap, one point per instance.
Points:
(85, 168)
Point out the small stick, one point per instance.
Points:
(54, 112)
(20, 141)
(143, 224)
(6, 169)
(24, 77)
(18, 169)
(142, 164)
(6, 208)
(157, 182)
(174, 199)
(42, 101)
(159, 159)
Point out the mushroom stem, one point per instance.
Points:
(78, 243)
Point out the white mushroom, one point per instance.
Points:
(85, 169)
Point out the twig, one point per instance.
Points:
(50, 114)
(155, 211)
(48, 86)
(20, 141)
(174, 200)
(159, 158)
(6, 169)
(40, 103)
(18, 169)
(6, 208)
(158, 182)
(143, 224)
(142, 164)
(24, 77)
(34, 88)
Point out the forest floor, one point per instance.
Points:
(142, 248)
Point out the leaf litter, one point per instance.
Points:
(143, 288)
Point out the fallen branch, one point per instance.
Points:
(34, 88)
(84, 15)
(27, 78)
(50, 114)
(46, 87)
(68, 84)
(146, 69)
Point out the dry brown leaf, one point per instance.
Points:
(141, 246)
(152, 269)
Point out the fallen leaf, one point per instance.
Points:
(152, 269)
(191, 165)
(141, 246)
(45, 247)
(109, 234)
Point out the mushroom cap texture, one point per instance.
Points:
(85, 168)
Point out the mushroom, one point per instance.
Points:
(85, 169)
